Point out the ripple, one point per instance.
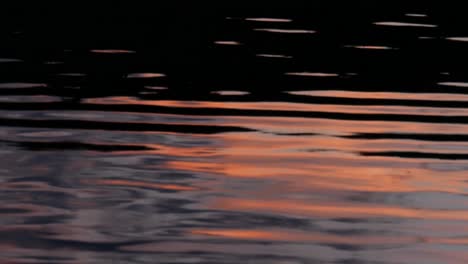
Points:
(228, 42)
(157, 88)
(145, 75)
(30, 98)
(72, 74)
(418, 155)
(230, 92)
(312, 74)
(7, 60)
(368, 47)
(415, 15)
(454, 84)
(47, 134)
(112, 51)
(60, 146)
(53, 62)
(141, 184)
(21, 85)
(383, 95)
(269, 19)
(278, 56)
(192, 136)
(286, 31)
(289, 235)
(330, 209)
(460, 39)
(404, 24)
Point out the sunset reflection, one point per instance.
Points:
(337, 210)
(234, 133)
(323, 238)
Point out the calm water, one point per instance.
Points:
(281, 134)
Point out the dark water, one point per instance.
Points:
(284, 133)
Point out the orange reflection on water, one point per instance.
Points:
(287, 106)
(245, 234)
(290, 144)
(340, 127)
(144, 75)
(384, 95)
(305, 236)
(292, 124)
(172, 151)
(141, 184)
(347, 210)
(253, 156)
(303, 175)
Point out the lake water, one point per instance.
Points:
(283, 134)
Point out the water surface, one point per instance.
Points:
(236, 134)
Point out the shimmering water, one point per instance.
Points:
(236, 134)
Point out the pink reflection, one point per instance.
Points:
(369, 47)
(404, 24)
(145, 75)
(454, 84)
